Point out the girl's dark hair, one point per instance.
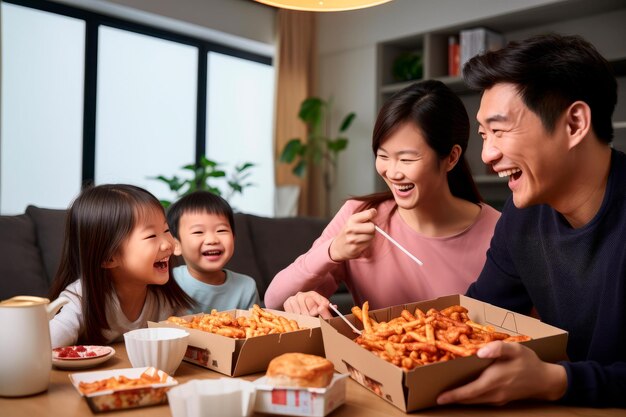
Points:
(551, 72)
(199, 202)
(441, 117)
(99, 220)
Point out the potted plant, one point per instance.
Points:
(319, 146)
(204, 176)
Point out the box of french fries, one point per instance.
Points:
(120, 389)
(241, 342)
(409, 354)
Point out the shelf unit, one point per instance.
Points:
(576, 16)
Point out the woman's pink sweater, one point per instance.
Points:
(384, 275)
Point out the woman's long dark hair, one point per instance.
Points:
(99, 221)
(441, 116)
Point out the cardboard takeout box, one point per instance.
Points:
(419, 387)
(293, 401)
(123, 397)
(236, 357)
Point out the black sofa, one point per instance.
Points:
(30, 250)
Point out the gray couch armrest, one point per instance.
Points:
(21, 267)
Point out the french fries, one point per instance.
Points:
(260, 322)
(148, 377)
(419, 338)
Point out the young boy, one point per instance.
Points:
(203, 228)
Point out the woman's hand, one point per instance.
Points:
(516, 373)
(354, 238)
(309, 303)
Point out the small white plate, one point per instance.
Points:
(103, 354)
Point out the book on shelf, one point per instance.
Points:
(478, 40)
(454, 56)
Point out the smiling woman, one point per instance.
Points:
(432, 209)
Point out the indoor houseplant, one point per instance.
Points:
(320, 146)
(206, 175)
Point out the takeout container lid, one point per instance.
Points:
(223, 397)
(236, 357)
(419, 387)
(123, 398)
(294, 401)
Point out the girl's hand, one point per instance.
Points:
(354, 238)
(309, 303)
(516, 373)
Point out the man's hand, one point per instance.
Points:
(356, 236)
(308, 303)
(516, 373)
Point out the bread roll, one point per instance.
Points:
(300, 370)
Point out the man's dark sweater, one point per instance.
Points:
(576, 279)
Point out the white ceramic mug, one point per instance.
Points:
(25, 348)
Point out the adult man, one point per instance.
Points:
(545, 118)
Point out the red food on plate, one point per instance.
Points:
(80, 352)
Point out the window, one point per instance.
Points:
(88, 98)
(239, 126)
(42, 108)
(146, 109)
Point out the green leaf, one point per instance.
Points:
(337, 145)
(216, 174)
(165, 203)
(235, 186)
(311, 111)
(300, 168)
(291, 149)
(190, 167)
(244, 167)
(347, 121)
(205, 162)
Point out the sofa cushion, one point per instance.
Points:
(279, 241)
(244, 259)
(21, 266)
(50, 230)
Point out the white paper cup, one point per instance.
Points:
(224, 397)
(160, 347)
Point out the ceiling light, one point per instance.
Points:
(322, 5)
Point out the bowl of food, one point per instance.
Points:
(162, 348)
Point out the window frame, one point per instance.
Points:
(93, 20)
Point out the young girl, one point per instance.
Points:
(114, 267)
(432, 208)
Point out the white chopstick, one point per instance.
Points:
(354, 329)
(392, 240)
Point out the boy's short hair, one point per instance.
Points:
(199, 202)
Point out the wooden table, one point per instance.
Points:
(63, 400)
